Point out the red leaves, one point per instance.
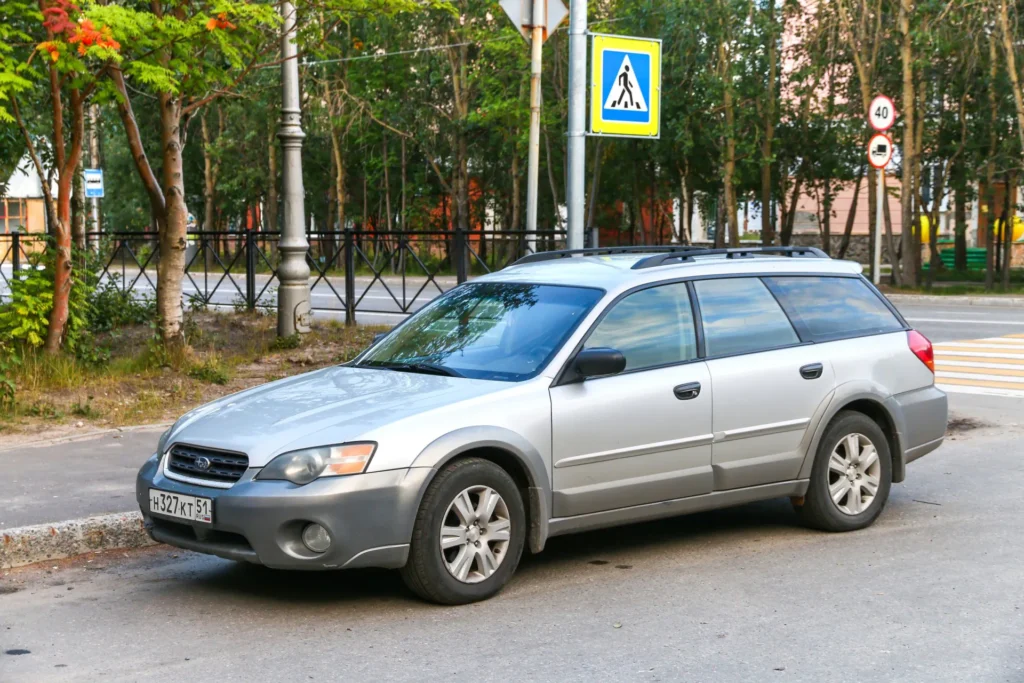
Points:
(88, 35)
(58, 19)
(220, 22)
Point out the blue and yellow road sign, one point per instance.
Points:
(625, 87)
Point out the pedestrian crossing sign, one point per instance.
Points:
(625, 87)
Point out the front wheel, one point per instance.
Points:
(469, 534)
(851, 476)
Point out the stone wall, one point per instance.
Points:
(859, 249)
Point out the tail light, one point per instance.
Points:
(922, 348)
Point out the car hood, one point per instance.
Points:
(320, 408)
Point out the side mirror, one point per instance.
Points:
(598, 362)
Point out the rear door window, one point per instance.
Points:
(740, 315)
(830, 308)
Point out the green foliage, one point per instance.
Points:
(286, 343)
(111, 308)
(210, 370)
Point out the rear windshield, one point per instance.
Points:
(829, 308)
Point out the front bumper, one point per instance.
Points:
(368, 516)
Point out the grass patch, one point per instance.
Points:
(141, 383)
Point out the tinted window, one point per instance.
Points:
(825, 308)
(741, 316)
(498, 331)
(651, 327)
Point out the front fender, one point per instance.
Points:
(453, 444)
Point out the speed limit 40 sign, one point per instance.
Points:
(882, 113)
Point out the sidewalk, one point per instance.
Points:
(992, 300)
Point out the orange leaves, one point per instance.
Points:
(51, 47)
(220, 22)
(88, 35)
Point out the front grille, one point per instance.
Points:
(224, 467)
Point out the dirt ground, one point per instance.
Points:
(227, 353)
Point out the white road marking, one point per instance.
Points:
(939, 353)
(969, 364)
(979, 391)
(963, 321)
(985, 378)
(976, 345)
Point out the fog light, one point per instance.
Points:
(316, 538)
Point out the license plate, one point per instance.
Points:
(183, 507)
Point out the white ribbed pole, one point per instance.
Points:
(577, 121)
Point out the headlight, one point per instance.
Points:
(302, 467)
(161, 445)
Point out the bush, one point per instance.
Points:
(24, 320)
(210, 371)
(110, 308)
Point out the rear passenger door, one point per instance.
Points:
(767, 383)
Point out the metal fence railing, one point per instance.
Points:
(351, 271)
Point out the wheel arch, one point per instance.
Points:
(512, 453)
(875, 403)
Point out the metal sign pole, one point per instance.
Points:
(879, 221)
(537, 51)
(577, 120)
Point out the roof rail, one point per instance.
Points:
(605, 251)
(742, 252)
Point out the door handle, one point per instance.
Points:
(812, 371)
(687, 392)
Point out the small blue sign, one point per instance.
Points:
(94, 183)
(626, 89)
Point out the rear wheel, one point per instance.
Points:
(468, 536)
(851, 476)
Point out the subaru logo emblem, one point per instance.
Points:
(203, 463)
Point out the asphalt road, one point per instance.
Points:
(933, 592)
(951, 322)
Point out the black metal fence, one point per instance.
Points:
(351, 271)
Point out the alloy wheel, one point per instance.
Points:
(475, 534)
(854, 474)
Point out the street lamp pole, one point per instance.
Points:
(293, 308)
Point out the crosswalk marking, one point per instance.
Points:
(993, 366)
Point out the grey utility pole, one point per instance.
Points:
(539, 17)
(293, 308)
(577, 120)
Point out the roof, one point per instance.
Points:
(615, 271)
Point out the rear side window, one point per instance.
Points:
(650, 328)
(741, 316)
(829, 308)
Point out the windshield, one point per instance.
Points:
(496, 331)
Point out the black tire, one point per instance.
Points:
(818, 510)
(426, 572)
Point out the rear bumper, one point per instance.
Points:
(923, 414)
(368, 516)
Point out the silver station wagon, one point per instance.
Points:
(571, 391)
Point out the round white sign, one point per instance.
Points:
(882, 113)
(879, 150)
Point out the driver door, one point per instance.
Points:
(644, 435)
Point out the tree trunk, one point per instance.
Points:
(910, 158)
(209, 185)
(78, 208)
(767, 226)
(551, 181)
(990, 166)
(1011, 206)
(848, 228)
(790, 213)
(173, 236)
(960, 212)
(595, 188)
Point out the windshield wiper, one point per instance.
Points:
(422, 368)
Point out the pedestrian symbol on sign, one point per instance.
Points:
(626, 93)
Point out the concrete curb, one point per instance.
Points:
(958, 300)
(30, 544)
(71, 438)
